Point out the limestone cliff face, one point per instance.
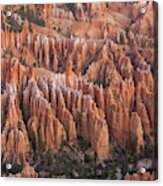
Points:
(76, 71)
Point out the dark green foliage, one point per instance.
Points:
(35, 64)
(67, 7)
(141, 153)
(16, 167)
(22, 12)
(68, 168)
(20, 124)
(107, 84)
(25, 112)
(146, 151)
(32, 15)
(5, 111)
(143, 45)
(85, 70)
(95, 163)
(104, 84)
(71, 7)
(22, 8)
(8, 52)
(112, 171)
(79, 118)
(59, 29)
(67, 162)
(22, 61)
(14, 25)
(133, 146)
(2, 88)
(87, 158)
(127, 30)
(148, 148)
(30, 27)
(49, 157)
(63, 6)
(2, 26)
(41, 144)
(38, 148)
(32, 139)
(62, 143)
(84, 144)
(122, 39)
(35, 17)
(97, 82)
(125, 163)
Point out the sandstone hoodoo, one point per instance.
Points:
(78, 90)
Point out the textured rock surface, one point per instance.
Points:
(144, 177)
(74, 73)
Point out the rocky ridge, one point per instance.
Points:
(62, 82)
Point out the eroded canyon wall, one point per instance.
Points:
(77, 71)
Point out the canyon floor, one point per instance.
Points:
(79, 90)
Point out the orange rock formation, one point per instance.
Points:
(77, 70)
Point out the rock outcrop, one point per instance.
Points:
(77, 71)
(139, 176)
(15, 141)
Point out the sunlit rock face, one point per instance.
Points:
(139, 176)
(78, 77)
